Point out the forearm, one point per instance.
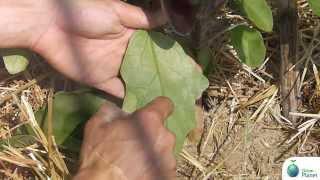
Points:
(22, 22)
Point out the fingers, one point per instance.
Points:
(137, 18)
(168, 141)
(167, 162)
(113, 86)
(107, 112)
(93, 131)
(158, 109)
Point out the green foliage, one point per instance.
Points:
(155, 65)
(18, 141)
(259, 12)
(15, 60)
(315, 6)
(204, 59)
(70, 111)
(249, 45)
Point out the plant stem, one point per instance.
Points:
(288, 44)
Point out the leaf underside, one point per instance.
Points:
(156, 65)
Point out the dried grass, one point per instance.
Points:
(245, 135)
(19, 99)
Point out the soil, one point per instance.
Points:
(244, 134)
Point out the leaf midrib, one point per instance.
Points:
(156, 64)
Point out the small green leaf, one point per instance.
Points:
(315, 6)
(259, 12)
(18, 141)
(249, 45)
(15, 60)
(155, 65)
(70, 111)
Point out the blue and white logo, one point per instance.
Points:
(293, 169)
(301, 168)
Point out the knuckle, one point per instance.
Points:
(167, 142)
(150, 116)
(171, 139)
(169, 160)
(89, 126)
(173, 163)
(93, 124)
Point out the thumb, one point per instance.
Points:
(158, 109)
(135, 17)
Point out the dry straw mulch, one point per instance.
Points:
(244, 134)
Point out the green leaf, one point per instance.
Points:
(155, 65)
(70, 112)
(259, 12)
(18, 141)
(249, 45)
(204, 58)
(16, 60)
(315, 6)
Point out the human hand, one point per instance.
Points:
(122, 146)
(88, 43)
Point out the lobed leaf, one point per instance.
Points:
(156, 65)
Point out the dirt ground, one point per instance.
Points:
(244, 136)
